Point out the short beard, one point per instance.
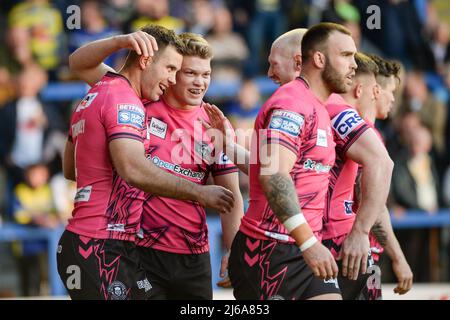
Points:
(331, 78)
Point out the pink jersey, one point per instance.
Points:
(347, 128)
(178, 144)
(106, 207)
(294, 118)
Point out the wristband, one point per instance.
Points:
(308, 243)
(294, 221)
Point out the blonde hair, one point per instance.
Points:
(195, 46)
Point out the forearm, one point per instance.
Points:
(375, 182)
(154, 180)
(387, 237)
(93, 54)
(239, 156)
(283, 200)
(232, 220)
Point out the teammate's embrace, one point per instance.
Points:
(105, 154)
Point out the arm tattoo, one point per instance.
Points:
(380, 234)
(282, 196)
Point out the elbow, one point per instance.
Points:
(263, 179)
(69, 176)
(72, 62)
(388, 164)
(129, 175)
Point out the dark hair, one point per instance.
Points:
(386, 68)
(316, 37)
(365, 64)
(164, 38)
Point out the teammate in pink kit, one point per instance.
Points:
(293, 129)
(173, 241)
(346, 233)
(174, 247)
(382, 235)
(105, 154)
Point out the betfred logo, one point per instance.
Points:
(345, 122)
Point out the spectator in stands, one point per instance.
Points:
(117, 12)
(266, 20)
(200, 16)
(432, 113)
(346, 14)
(37, 32)
(440, 45)
(401, 35)
(94, 27)
(153, 12)
(25, 123)
(34, 206)
(230, 49)
(415, 186)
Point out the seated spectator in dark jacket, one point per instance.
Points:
(415, 187)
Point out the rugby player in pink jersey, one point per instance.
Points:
(174, 247)
(387, 81)
(105, 154)
(277, 253)
(345, 232)
(173, 242)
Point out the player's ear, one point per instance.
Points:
(319, 59)
(358, 91)
(298, 62)
(144, 61)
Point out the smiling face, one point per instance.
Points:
(192, 82)
(340, 62)
(159, 75)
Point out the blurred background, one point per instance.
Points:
(38, 93)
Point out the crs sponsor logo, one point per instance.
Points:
(130, 114)
(345, 122)
(86, 102)
(287, 121)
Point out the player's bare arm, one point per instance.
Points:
(283, 200)
(400, 266)
(87, 61)
(69, 161)
(231, 221)
(375, 181)
(129, 160)
(237, 153)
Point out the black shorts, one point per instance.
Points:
(367, 286)
(177, 276)
(99, 269)
(267, 269)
